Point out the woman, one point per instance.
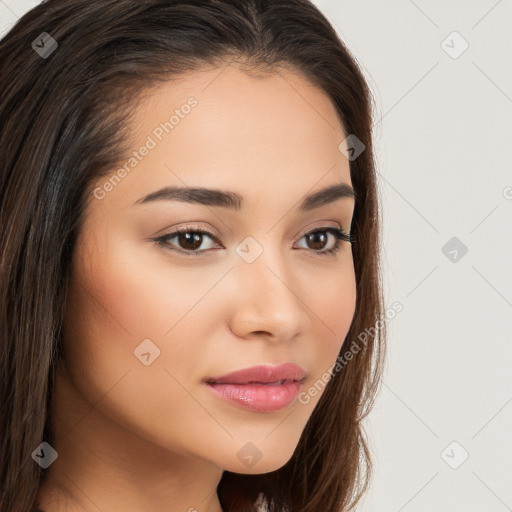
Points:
(189, 259)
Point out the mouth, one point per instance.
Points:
(260, 388)
(262, 374)
(253, 382)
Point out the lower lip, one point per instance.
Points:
(259, 397)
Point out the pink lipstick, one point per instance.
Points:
(261, 388)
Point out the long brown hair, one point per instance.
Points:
(64, 109)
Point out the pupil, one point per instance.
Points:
(315, 238)
(187, 238)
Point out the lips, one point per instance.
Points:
(262, 374)
(262, 389)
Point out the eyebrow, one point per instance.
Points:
(228, 199)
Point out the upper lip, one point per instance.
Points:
(261, 374)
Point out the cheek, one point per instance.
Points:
(117, 301)
(332, 301)
(135, 291)
(124, 291)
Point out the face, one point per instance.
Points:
(148, 322)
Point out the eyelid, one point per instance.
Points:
(186, 227)
(189, 227)
(325, 225)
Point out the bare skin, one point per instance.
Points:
(153, 438)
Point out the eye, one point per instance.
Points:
(189, 240)
(319, 236)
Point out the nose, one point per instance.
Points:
(268, 300)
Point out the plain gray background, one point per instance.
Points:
(441, 430)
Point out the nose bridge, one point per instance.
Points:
(262, 262)
(268, 299)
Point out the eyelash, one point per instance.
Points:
(338, 233)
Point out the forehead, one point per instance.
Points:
(222, 127)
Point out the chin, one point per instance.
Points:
(259, 463)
